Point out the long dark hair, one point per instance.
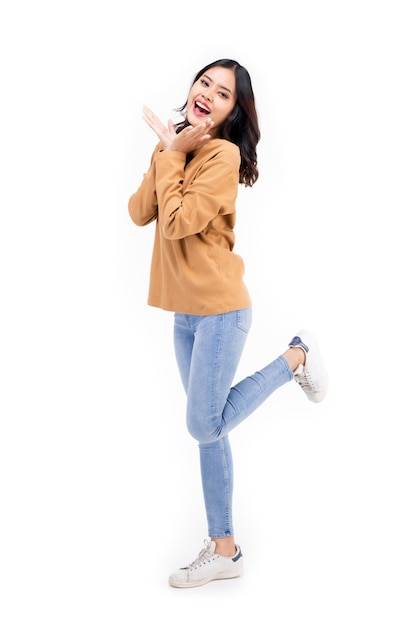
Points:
(241, 125)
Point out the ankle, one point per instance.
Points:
(295, 357)
(225, 546)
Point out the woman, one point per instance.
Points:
(190, 191)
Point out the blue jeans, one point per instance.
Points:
(208, 349)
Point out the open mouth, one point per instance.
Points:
(200, 108)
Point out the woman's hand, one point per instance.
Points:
(188, 140)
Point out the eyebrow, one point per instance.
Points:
(221, 86)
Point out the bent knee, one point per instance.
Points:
(202, 432)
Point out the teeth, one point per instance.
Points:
(202, 106)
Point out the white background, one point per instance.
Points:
(100, 487)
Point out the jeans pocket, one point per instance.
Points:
(244, 319)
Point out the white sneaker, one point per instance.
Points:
(208, 566)
(312, 376)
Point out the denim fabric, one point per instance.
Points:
(208, 350)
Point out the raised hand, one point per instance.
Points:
(187, 140)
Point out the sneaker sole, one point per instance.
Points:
(204, 581)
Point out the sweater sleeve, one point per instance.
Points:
(212, 190)
(142, 204)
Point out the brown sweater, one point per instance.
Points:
(193, 269)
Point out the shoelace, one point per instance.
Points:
(303, 379)
(204, 555)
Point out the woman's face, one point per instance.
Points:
(212, 95)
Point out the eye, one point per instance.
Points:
(223, 94)
(204, 82)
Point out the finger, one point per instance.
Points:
(147, 110)
(203, 127)
(154, 123)
(204, 138)
(192, 131)
(150, 115)
(208, 123)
